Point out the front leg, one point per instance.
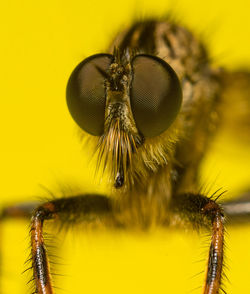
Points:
(64, 209)
(202, 211)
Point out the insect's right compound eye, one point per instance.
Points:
(86, 93)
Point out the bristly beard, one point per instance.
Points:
(115, 149)
(128, 159)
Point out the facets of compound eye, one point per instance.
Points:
(86, 93)
(155, 94)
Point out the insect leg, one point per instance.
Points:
(22, 210)
(204, 212)
(237, 210)
(63, 209)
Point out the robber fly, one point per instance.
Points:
(151, 105)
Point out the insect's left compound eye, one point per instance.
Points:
(86, 93)
(155, 94)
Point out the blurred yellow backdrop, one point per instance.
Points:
(41, 42)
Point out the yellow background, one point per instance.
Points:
(41, 42)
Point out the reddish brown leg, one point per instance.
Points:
(41, 270)
(215, 261)
(18, 211)
(202, 211)
(66, 209)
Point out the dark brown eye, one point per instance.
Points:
(86, 93)
(156, 94)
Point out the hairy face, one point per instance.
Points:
(130, 102)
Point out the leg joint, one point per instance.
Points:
(212, 210)
(45, 211)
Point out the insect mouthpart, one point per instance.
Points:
(120, 141)
(119, 180)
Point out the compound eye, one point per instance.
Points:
(155, 94)
(86, 93)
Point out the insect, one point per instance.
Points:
(151, 106)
